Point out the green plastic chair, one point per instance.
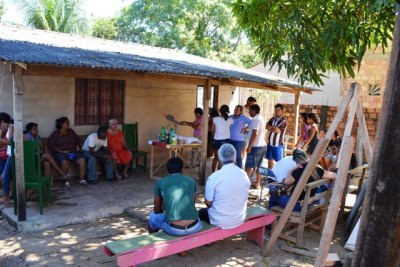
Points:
(33, 174)
(131, 139)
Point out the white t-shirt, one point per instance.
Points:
(222, 126)
(283, 168)
(93, 141)
(228, 189)
(258, 123)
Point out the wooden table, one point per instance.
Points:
(171, 151)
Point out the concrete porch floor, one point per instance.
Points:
(80, 204)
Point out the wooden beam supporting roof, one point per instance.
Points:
(80, 72)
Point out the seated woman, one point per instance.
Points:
(118, 148)
(64, 144)
(32, 134)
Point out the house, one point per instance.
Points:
(45, 75)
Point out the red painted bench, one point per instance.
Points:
(144, 248)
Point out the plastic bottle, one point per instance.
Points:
(171, 135)
(162, 134)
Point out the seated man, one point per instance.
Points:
(95, 148)
(292, 180)
(285, 166)
(174, 198)
(226, 193)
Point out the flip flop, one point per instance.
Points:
(83, 182)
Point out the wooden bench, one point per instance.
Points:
(144, 248)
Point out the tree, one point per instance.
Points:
(1, 8)
(105, 28)
(54, 15)
(201, 27)
(310, 37)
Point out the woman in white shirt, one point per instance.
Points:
(220, 129)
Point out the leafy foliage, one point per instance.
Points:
(54, 15)
(105, 28)
(200, 27)
(310, 37)
(1, 8)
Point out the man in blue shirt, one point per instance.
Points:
(240, 122)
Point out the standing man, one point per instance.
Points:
(276, 126)
(174, 197)
(226, 193)
(237, 137)
(257, 146)
(95, 148)
(246, 112)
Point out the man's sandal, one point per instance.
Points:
(83, 182)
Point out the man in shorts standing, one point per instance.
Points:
(276, 126)
(246, 112)
(257, 145)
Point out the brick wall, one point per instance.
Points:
(371, 118)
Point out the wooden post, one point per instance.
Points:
(331, 217)
(360, 152)
(350, 117)
(297, 112)
(319, 150)
(203, 159)
(364, 133)
(18, 91)
(378, 239)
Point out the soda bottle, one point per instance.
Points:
(171, 135)
(162, 134)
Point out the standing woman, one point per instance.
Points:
(237, 132)
(221, 131)
(304, 128)
(197, 126)
(118, 148)
(312, 141)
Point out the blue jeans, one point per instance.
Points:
(282, 201)
(92, 166)
(7, 177)
(158, 221)
(238, 145)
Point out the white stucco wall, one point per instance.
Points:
(328, 96)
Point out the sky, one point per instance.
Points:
(92, 8)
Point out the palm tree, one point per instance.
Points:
(54, 15)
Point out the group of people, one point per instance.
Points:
(64, 147)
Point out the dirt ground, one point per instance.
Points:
(81, 245)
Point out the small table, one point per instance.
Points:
(173, 150)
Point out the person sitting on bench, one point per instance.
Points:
(291, 182)
(174, 199)
(226, 193)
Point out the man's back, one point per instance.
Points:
(177, 192)
(283, 168)
(228, 190)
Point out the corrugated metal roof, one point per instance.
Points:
(18, 44)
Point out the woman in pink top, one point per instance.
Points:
(197, 126)
(304, 128)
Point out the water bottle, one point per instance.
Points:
(163, 134)
(171, 135)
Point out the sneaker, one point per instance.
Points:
(67, 184)
(92, 182)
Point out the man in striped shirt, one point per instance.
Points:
(276, 126)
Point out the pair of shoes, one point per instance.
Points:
(92, 182)
(83, 182)
(67, 185)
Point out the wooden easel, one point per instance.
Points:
(352, 100)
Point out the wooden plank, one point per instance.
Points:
(331, 217)
(18, 139)
(331, 260)
(319, 150)
(204, 137)
(296, 117)
(341, 111)
(362, 125)
(360, 149)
